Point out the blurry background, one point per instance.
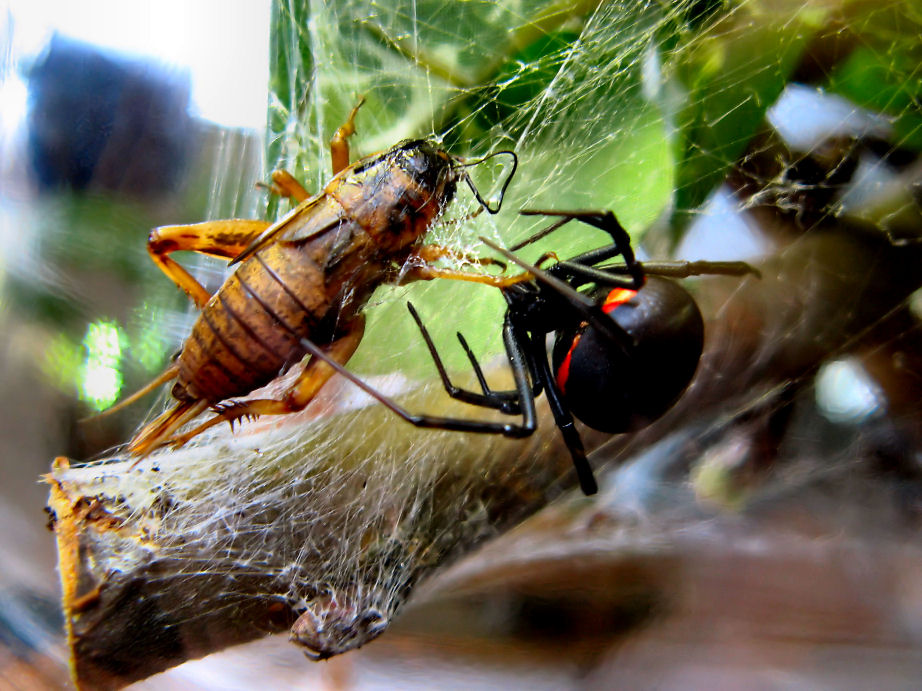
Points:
(771, 543)
(113, 120)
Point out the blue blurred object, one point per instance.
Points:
(106, 122)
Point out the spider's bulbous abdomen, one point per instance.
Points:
(613, 390)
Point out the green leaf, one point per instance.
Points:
(884, 72)
(730, 75)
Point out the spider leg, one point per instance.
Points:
(505, 401)
(582, 304)
(519, 370)
(613, 276)
(564, 420)
(581, 265)
(532, 359)
(603, 220)
(581, 270)
(540, 234)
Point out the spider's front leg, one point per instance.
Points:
(603, 220)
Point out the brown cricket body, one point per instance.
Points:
(302, 279)
(313, 280)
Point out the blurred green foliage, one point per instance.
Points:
(887, 80)
(639, 107)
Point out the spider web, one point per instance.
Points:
(644, 108)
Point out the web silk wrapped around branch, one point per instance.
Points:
(319, 526)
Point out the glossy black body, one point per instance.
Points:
(615, 390)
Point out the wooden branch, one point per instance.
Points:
(333, 519)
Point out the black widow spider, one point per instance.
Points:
(626, 347)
